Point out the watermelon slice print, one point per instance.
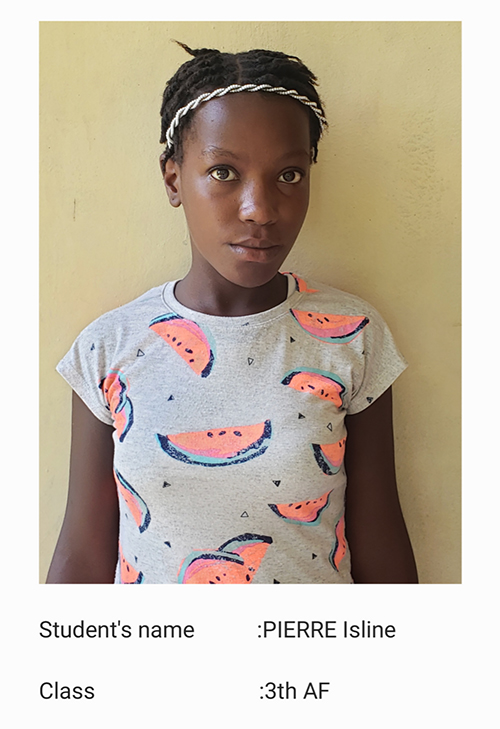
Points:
(135, 503)
(329, 456)
(234, 562)
(218, 446)
(115, 387)
(187, 339)
(332, 328)
(319, 383)
(306, 512)
(339, 547)
(300, 284)
(128, 574)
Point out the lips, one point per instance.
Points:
(255, 250)
(256, 243)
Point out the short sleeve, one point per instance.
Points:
(84, 368)
(382, 364)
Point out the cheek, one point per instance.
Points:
(201, 195)
(197, 209)
(298, 209)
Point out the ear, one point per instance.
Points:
(171, 178)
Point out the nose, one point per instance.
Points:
(258, 203)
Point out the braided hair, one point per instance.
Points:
(211, 69)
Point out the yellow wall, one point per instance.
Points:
(383, 222)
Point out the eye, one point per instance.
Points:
(223, 174)
(291, 176)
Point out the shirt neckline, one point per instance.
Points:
(234, 322)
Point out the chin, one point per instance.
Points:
(252, 276)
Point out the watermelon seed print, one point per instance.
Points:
(235, 562)
(140, 353)
(370, 399)
(301, 416)
(276, 483)
(250, 360)
(244, 515)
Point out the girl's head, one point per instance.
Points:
(239, 162)
(210, 70)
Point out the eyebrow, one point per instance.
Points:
(214, 151)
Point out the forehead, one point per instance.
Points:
(251, 120)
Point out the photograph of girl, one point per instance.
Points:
(234, 423)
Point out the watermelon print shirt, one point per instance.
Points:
(229, 431)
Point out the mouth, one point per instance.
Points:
(254, 250)
(256, 243)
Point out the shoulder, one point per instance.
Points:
(116, 331)
(135, 312)
(323, 298)
(107, 345)
(113, 328)
(364, 351)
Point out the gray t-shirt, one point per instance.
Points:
(229, 431)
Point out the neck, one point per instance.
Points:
(218, 297)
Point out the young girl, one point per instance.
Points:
(218, 419)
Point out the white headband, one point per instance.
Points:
(234, 89)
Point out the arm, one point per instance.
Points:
(380, 547)
(87, 549)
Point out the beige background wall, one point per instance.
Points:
(383, 222)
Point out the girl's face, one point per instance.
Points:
(244, 185)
